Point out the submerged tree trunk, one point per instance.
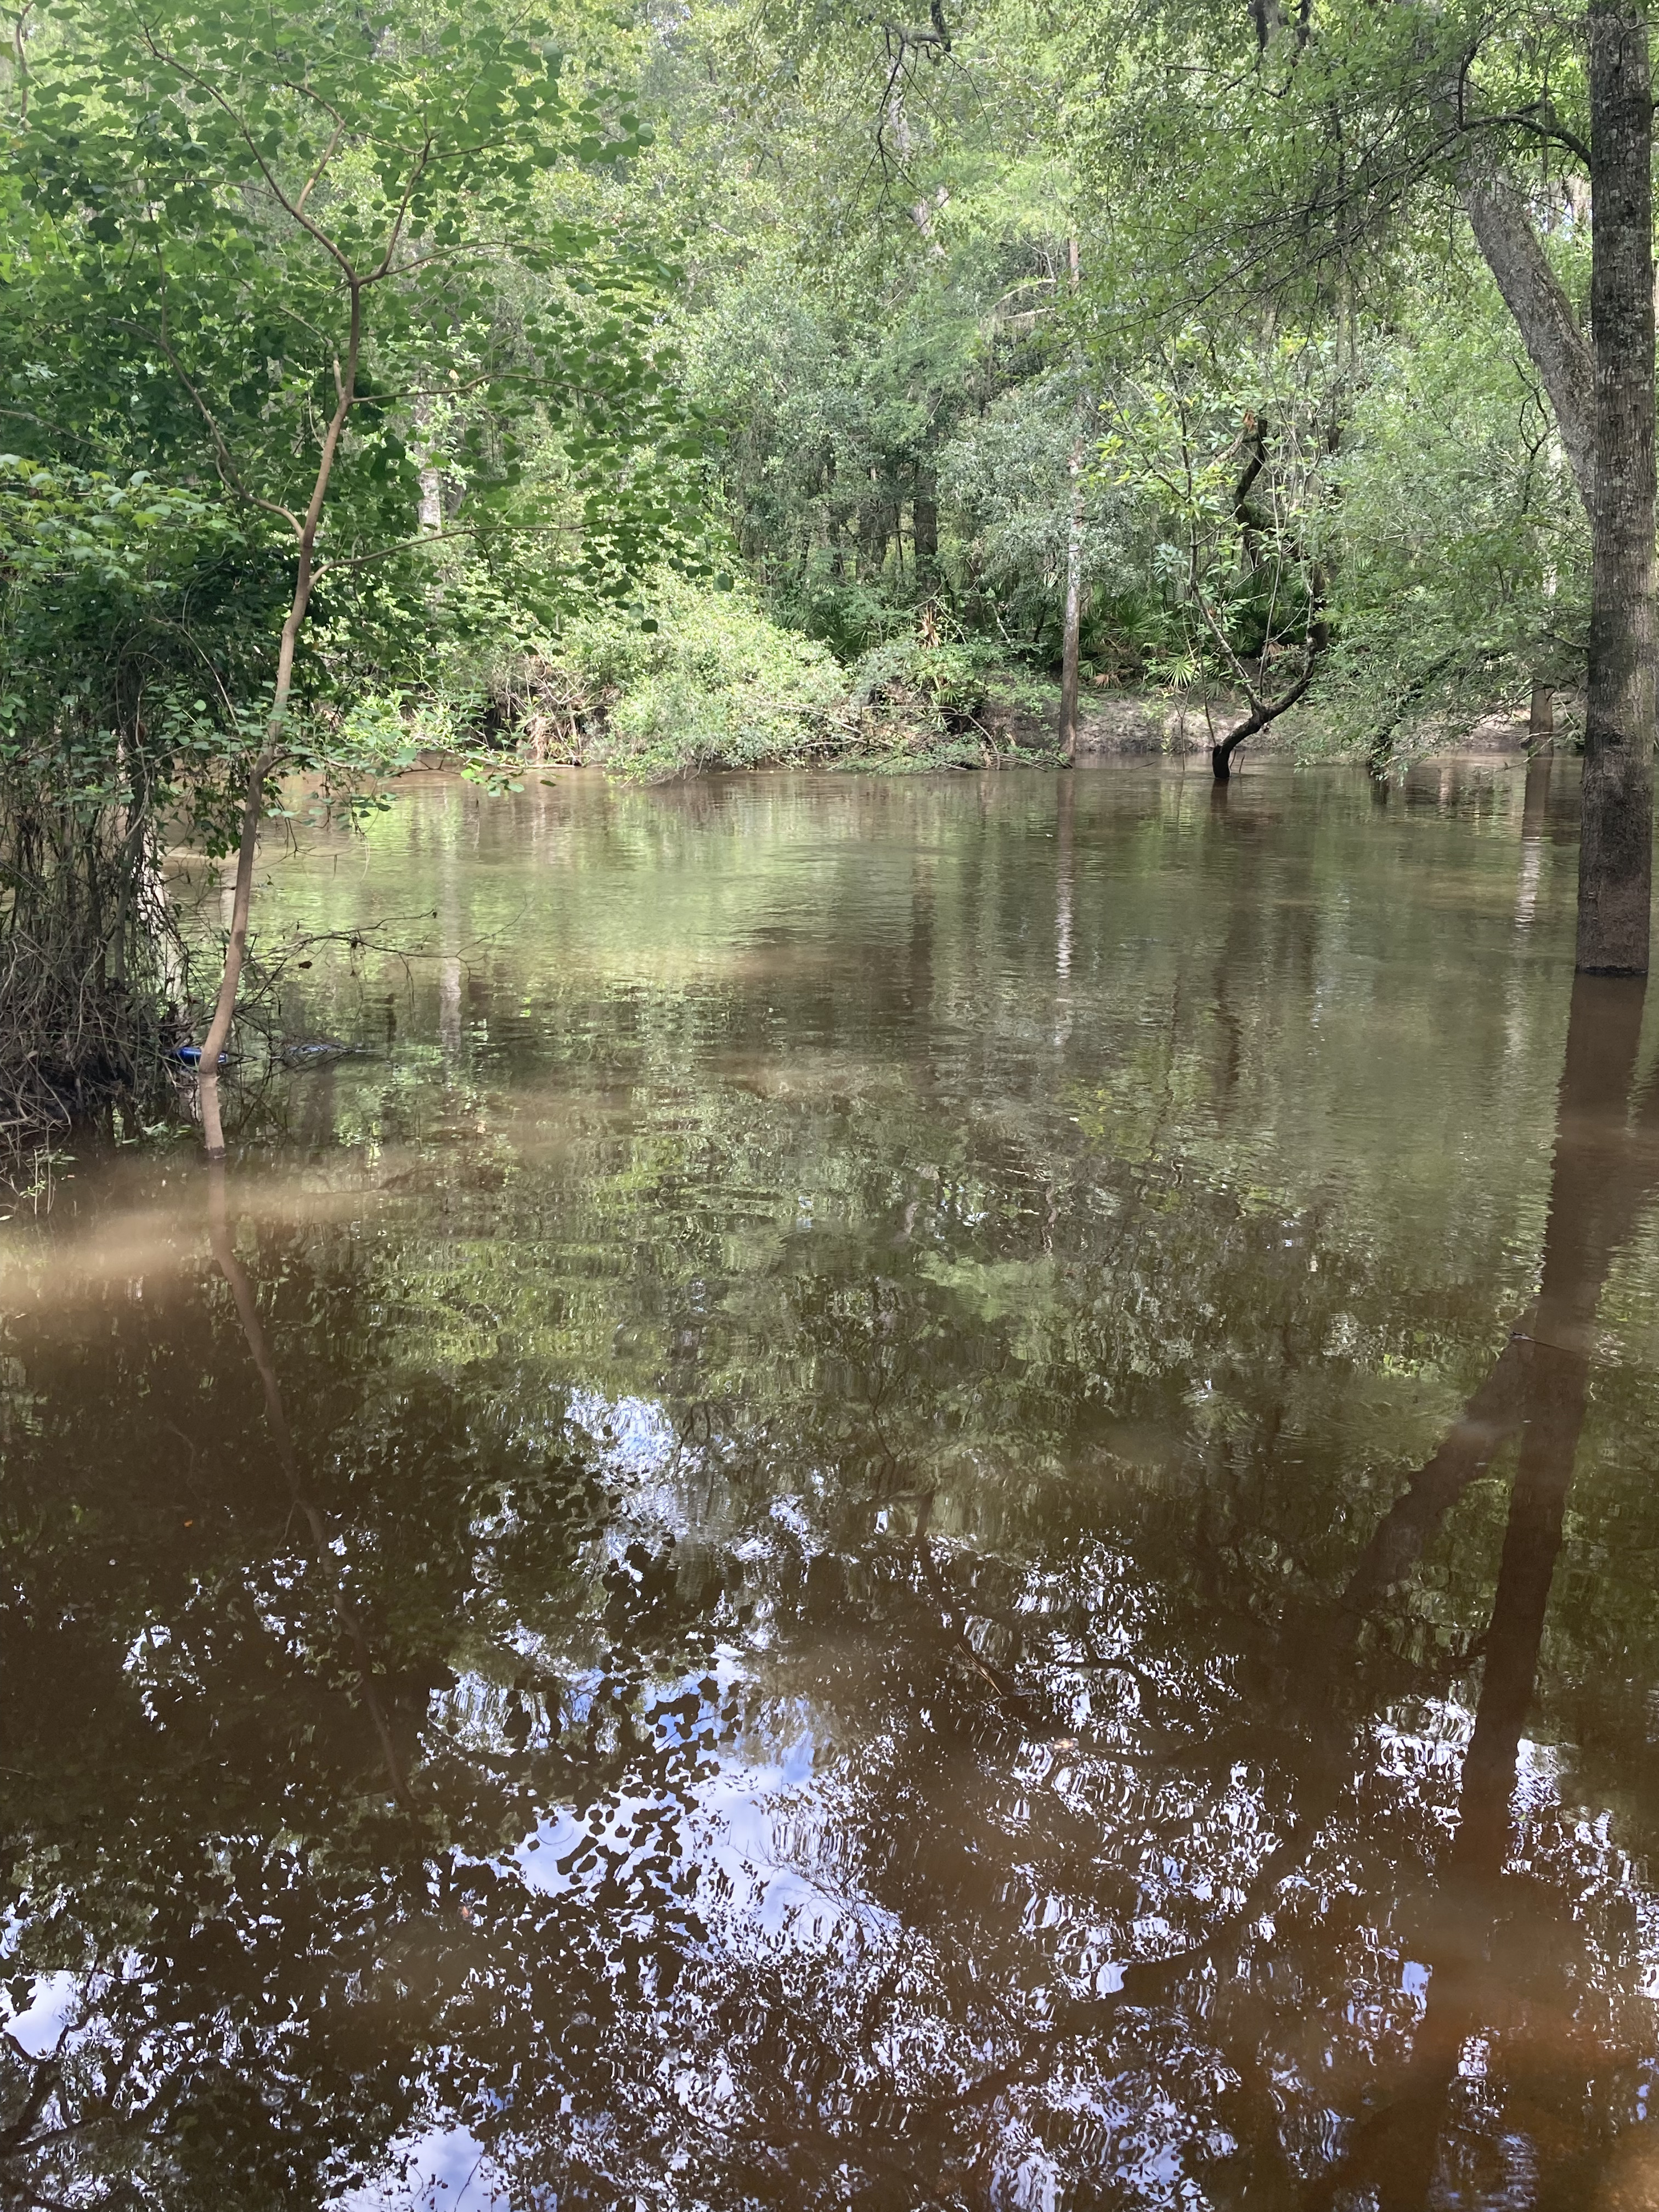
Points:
(1263, 711)
(1616, 849)
(1315, 642)
(1540, 717)
(230, 978)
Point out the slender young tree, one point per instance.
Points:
(1072, 624)
(304, 219)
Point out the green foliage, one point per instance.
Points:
(882, 315)
(1233, 450)
(937, 328)
(272, 203)
(834, 418)
(1259, 173)
(870, 268)
(1463, 546)
(1237, 157)
(1006, 478)
(945, 678)
(707, 680)
(315, 315)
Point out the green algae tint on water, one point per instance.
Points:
(915, 1492)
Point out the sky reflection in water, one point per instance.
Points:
(918, 1492)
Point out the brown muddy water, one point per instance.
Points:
(914, 1493)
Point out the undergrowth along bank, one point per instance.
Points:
(708, 680)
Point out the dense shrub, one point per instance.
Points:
(706, 680)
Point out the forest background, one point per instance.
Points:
(734, 382)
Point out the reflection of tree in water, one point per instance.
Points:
(1500, 1969)
(209, 1671)
(1133, 1797)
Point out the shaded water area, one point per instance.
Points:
(919, 1492)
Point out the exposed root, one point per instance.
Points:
(91, 974)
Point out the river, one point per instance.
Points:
(908, 1492)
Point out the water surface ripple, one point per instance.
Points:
(909, 1493)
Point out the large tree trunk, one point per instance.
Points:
(1616, 850)
(1603, 403)
(1544, 316)
(1604, 406)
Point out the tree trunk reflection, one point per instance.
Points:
(247, 1313)
(1603, 1172)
